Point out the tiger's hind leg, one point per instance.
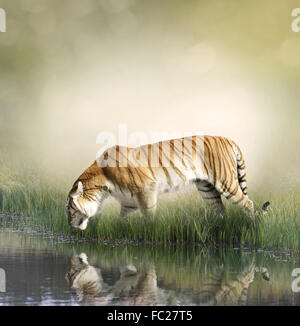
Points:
(236, 196)
(211, 197)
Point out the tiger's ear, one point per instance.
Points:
(79, 191)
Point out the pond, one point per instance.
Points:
(37, 269)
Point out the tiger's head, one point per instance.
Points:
(85, 198)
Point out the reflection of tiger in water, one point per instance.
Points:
(136, 176)
(139, 287)
(218, 291)
(133, 288)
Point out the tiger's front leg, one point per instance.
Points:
(125, 210)
(147, 202)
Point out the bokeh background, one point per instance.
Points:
(72, 69)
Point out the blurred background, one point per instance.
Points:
(72, 69)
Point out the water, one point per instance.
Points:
(40, 270)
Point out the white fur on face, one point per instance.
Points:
(87, 208)
(83, 225)
(91, 208)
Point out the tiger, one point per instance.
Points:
(137, 176)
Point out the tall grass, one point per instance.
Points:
(180, 217)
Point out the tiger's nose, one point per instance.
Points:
(76, 224)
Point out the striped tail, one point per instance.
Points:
(241, 169)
